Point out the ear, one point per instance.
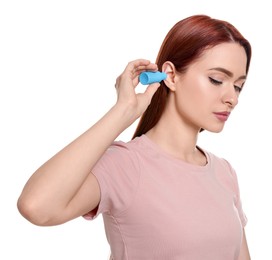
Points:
(169, 68)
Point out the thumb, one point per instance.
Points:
(151, 90)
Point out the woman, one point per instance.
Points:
(161, 195)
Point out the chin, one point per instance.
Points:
(214, 129)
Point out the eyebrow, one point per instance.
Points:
(227, 72)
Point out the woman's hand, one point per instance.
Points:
(128, 81)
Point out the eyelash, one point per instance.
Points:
(216, 82)
(238, 89)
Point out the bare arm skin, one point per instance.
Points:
(244, 252)
(64, 188)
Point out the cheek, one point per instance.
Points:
(198, 91)
(207, 93)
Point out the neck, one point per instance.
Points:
(177, 138)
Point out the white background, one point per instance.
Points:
(58, 65)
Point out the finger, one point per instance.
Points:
(133, 70)
(137, 66)
(138, 71)
(136, 63)
(151, 90)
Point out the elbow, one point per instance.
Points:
(31, 212)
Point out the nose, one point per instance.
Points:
(230, 97)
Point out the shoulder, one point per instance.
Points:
(219, 162)
(224, 171)
(119, 155)
(126, 148)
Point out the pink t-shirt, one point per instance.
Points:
(158, 207)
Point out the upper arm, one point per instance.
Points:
(85, 200)
(244, 251)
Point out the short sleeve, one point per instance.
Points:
(236, 190)
(117, 173)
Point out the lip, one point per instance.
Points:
(222, 116)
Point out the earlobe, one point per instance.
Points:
(169, 68)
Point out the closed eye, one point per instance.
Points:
(237, 89)
(214, 81)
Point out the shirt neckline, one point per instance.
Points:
(175, 160)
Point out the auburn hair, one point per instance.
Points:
(183, 44)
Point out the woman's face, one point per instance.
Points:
(209, 90)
